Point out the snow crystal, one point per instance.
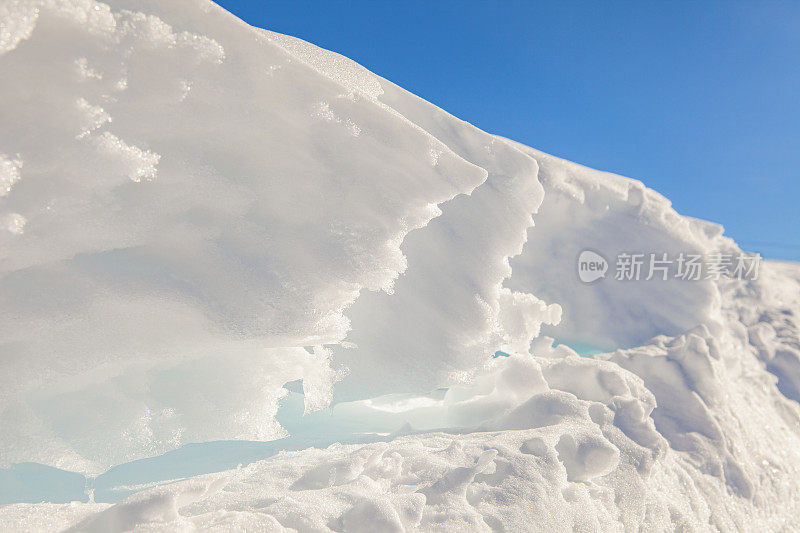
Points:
(94, 117)
(17, 21)
(85, 71)
(15, 223)
(138, 164)
(9, 173)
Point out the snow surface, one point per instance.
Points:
(245, 284)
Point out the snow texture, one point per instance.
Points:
(246, 284)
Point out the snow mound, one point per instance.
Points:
(247, 284)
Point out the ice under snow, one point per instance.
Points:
(246, 284)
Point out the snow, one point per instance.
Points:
(247, 284)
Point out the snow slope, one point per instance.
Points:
(247, 284)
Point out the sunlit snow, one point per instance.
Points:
(246, 284)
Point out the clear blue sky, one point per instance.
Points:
(700, 100)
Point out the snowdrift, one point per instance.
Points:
(247, 284)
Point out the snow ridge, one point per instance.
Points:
(267, 285)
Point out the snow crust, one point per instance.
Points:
(246, 284)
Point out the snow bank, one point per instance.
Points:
(267, 285)
(144, 248)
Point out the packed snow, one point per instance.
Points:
(246, 284)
